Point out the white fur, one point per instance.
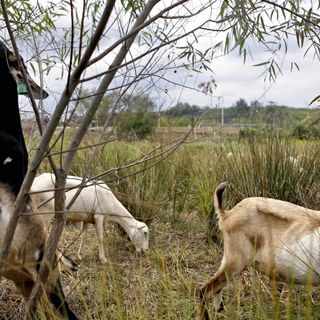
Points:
(95, 203)
(7, 160)
(302, 258)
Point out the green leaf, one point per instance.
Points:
(227, 44)
(223, 8)
(316, 99)
(261, 64)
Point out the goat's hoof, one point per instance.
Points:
(103, 260)
(221, 307)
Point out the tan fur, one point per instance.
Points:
(257, 232)
(22, 263)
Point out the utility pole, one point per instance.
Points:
(220, 105)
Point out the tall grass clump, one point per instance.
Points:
(276, 168)
(206, 174)
(141, 186)
(181, 190)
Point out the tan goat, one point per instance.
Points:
(26, 252)
(278, 238)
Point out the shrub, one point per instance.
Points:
(246, 133)
(302, 132)
(142, 124)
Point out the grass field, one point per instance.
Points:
(174, 198)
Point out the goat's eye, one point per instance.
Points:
(19, 76)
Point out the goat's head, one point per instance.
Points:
(9, 62)
(140, 237)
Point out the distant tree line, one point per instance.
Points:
(138, 115)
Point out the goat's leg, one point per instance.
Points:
(83, 231)
(213, 288)
(99, 222)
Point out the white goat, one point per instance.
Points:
(94, 203)
(278, 238)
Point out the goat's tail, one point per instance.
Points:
(217, 199)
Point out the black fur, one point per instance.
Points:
(13, 152)
(12, 162)
(219, 192)
(57, 298)
(12, 140)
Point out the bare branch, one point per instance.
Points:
(106, 82)
(134, 31)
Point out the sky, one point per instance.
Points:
(234, 80)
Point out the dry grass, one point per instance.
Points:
(158, 285)
(162, 284)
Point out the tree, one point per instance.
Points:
(242, 105)
(110, 102)
(256, 104)
(140, 124)
(138, 119)
(132, 114)
(120, 45)
(139, 103)
(184, 109)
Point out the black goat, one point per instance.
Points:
(22, 264)
(13, 154)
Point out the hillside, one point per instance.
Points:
(273, 115)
